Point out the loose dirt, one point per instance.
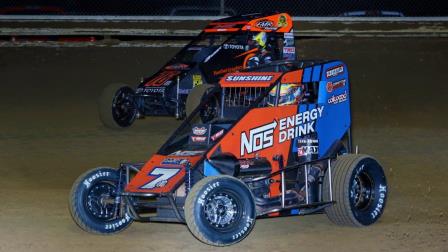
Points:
(50, 134)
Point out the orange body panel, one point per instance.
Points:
(144, 177)
(232, 142)
(276, 23)
(292, 77)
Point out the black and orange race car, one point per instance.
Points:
(279, 145)
(224, 46)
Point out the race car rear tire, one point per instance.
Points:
(196, 96)
(117, 107)
(220, 210)
(91, 202)
(359, 189)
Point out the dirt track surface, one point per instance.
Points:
(50, 134)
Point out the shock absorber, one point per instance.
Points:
(188, 178)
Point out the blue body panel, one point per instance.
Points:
(209, 170)
(336, 120)
(334, 96)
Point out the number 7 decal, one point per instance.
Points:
(162, 176)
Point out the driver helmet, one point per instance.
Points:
(289, 94)
(261, 39)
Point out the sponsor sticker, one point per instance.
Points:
(282, 21)
(150, 90)
(227, 70)
(288, 35)
(217, 135)
(199, 131)
(307, 150)
(335, 99)
(224, 26)
(289, 49)
(246, 163)
(182, 153)
(198, 139)
(335, 71)
(290, 127)
(265, 24)
(174, 161)
(197, 80)
(237, 78)
(331, 86)
(178, 66)
(258, 139)
(232, 47)
(298, 125)
(162, 78)
(161, 176)
(307, 147)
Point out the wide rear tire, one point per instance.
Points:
(220, 210)
(359, 191)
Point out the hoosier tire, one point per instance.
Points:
(359, 191)
(220, 210)
(91, 202)
(116, 106)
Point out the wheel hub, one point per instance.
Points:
(362, 191)
(100, 201)
(123, 106)
(220, 210)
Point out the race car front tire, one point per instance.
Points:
(92, 202)
(220, 210)
(359, 189)
(117, 107)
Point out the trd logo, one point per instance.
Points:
(259, 138)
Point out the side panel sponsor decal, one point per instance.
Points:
(161, 177)
(162, 78)
(250, 78)
(334, 71)
(331, 86)
(335, 99)
(197, 80)
(290, 127)
(199, 131)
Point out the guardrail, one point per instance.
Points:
(177, 27)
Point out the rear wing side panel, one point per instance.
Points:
(334, 94)
(249, 79)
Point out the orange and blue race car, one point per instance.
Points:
(224, 46)
(280, 144)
